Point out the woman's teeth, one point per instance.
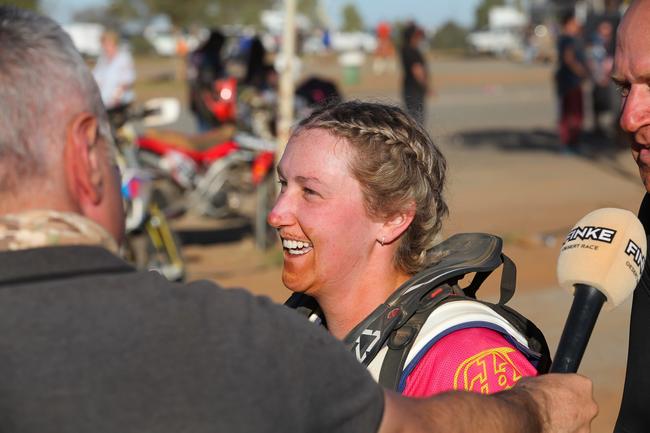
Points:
(296, 247)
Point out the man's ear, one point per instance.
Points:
(82, 160)
(397, 224)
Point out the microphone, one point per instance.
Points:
(601, 262)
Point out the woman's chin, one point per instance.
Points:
(294, 281)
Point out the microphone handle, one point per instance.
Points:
(587, 302)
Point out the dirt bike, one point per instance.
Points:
(150, 243)
(218, 174)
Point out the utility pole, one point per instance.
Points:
(285, 119)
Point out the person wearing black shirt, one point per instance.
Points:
(632, 75)
(568, 78)
(415, 84)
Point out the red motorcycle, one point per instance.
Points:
(217, 174)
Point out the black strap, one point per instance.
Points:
(401, 340)
(508, 281)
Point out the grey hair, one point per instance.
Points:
(397, 165)
(44, 81)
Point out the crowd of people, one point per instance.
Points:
(89, 343)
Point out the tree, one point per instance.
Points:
(482, 12)
(114, 14)
(125, 9)
(310, 9)
(352, 21)
(34, 5)
(92, 14)
(209, 12)
(239, 11)
(450, 36)
(183, 13)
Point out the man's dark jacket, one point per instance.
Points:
(87, 344)
(634, 416)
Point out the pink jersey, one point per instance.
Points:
(472, 359)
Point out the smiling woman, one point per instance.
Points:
(361, 205)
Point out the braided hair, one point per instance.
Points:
(397, 165)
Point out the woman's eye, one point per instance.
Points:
(283, 184)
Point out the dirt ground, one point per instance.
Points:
(494, 121)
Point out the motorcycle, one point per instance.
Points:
(219, 174)
(150, 244)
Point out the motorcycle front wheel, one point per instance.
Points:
(265, 235)
(157, 247)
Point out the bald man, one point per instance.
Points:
(632, 75)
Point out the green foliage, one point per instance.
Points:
(34, 5)
(112, 15)
(92, 15)
(123, 9)
(238, 11)
(352, 21)
(185, 13)
(310, 9)
(481, 15)
(181, 13)
(140, 46)
(450, 36)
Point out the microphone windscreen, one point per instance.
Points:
(606, 250)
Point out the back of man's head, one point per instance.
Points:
(43, 82)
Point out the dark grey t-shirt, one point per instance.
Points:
(87, 344)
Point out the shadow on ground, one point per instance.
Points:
(535, 140)
(209, 236)
(600, 150)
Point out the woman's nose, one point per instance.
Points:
(281, 214)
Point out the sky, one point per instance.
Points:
(428, 13)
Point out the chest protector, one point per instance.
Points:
(391, 340)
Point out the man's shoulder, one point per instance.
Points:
(195, 340)
(69, 269)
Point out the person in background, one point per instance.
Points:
(115, 72)
(384, 56)
(569, 75)
(91, 344)
(600, 60)
(415, 81)
(256, 64)
(205, 66)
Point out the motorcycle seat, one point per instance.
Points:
(193, 146)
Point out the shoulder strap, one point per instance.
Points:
(402, 339)
(457, 256)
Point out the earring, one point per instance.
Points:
(382, 241)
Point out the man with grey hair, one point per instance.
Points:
(90, 344)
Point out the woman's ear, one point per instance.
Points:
(397, 224)
(82, 160)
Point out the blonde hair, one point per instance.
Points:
(397, 165)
